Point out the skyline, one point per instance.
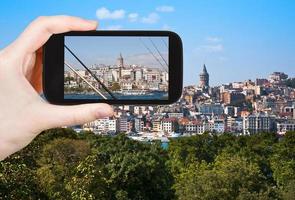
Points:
(247, 39)
(105, 50)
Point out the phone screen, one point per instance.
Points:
(116, 67)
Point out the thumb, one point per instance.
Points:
(57, 116)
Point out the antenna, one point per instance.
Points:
(152, 54)
(158, 51)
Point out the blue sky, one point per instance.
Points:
(237, 40)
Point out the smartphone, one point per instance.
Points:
(115, 67)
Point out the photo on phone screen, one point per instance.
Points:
(116, 67)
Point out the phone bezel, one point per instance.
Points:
(53, 67)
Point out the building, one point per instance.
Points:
(257, 123)
(175, 115)
(138, 124)
(276, 77)
(120, 64)
(234, 125)
(102, 125)
(211, 108)
(216, 126)
(193, 127)
(204, 78)
(169, 125)
(232, 97)
(122, 125)
(157, 126)
(284, 126)
(261, 81)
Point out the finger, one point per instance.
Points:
(39, 31)
(36, 76)
(57, 116)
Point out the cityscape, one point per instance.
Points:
(141, 74)
(242, 108)
(124, 81)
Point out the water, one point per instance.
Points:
(165, 145)
(157, 95)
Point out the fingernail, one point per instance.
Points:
(94, 22)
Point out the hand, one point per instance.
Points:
(23, 113)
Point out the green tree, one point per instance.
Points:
(229, 177)
(120, 168)
(18, 181)
(283, 161)
(56, 161)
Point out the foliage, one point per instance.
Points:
(56, 162)
(120, 168)
(115, 86)
(62, 164)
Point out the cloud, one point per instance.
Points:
(166, 27)
(223, 59)
(213, 39)
(152, 18)
(165, 9)
(210, 48)
(133, 17)
(104, 13)
(113, 27)
(146, 59)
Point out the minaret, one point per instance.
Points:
(120, 64)
(204, 78)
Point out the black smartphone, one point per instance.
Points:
(115, 67)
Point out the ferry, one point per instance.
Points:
(132, 92)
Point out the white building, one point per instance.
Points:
(258, 123)
(194, 127)
(122, 124)
(138, 124)
(102, 125)
(169, 125)
(285, 126)
(175, 115)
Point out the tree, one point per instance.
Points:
(121, 168)
(283, 161)
(205, 147)
(18, 181)
(56, 161)
(229, 177)
(115, 86)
